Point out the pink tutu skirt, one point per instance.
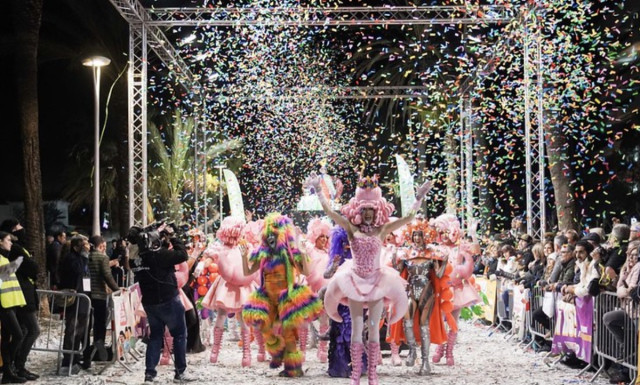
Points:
(384, 283)
(222, 295)
(465, 295)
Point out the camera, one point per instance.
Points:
(150, 238)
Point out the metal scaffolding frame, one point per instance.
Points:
(533, 69)
(338, 16)
(146, 32)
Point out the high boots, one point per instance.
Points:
(357, 348)
(451, 342)
(292, 365)
(425, 340)
(303, 335)
(395, 355)
(217, 341)
(165, 359)
(411, 341)
(440, 349)
(246, 346)
(260, 341)
(322, 345)
(373, 352)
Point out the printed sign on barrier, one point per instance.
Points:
(125, 319)
(489, 288)
(574, 327)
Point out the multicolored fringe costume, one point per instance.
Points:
(278, 299)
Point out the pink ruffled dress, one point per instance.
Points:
(232, 288)
(363, 279)
(317, 265)
(464, 294)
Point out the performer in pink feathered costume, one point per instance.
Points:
(230, 290)
(461, 258)
(363, 282)
(317, 250)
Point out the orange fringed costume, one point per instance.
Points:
(441, 311)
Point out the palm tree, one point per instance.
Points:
(171, 162)
(26, 18)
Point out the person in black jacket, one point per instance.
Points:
(154, 270)
(27, 275)
(75, 277)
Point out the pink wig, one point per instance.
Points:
(368, 195)
(447, 223)
(230, 230)
(316, 228)
(252, 232)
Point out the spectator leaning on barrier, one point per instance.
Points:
(617, 255)
(565, 276)
(11, 298)
(585, 272)
(100, 278)
(525, 242)
(76, 277)
(154, 270)
(618, 322)
(27, 274)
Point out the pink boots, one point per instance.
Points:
(451, 342)
(260, 341)
(322, 345)
(440, 349)
(246, 347)
(303, 335)
(373, 352)
(395, 355)
(357, 348)
(165, 359)
(217, 341)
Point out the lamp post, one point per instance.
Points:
(96, 62)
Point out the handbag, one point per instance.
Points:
(548, 303)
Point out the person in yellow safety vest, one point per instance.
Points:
(27, 275)
(11, 298)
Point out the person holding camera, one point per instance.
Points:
(154, 270)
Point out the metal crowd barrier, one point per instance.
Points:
(535, 329)
(501, 311)
(605, 346)
(52, 335)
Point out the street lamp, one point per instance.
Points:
(96, 62)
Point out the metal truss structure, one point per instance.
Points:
(338, 16)
(146, 31)
(534, 123)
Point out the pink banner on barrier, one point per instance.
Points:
(574, 327)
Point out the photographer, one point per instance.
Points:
(154, 270)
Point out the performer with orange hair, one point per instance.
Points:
(461, 259)
(429, 295)
(278, 299)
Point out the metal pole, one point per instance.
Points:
(541, 136)
(527, 126)
(220, 190)
(96, 153)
